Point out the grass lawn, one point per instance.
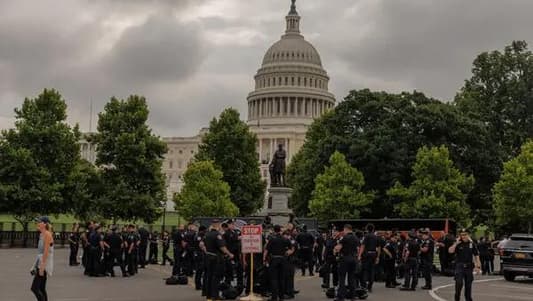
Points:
(171, 219)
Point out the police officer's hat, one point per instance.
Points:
(412, 234)
(215, 221)
(114, 228)
(463, 230)
(424, 231)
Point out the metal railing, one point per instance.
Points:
(13, 236)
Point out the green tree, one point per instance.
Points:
(499, 95)
(130, 159)
(380, 134)
(232, 147)
(87, 189)
(204, 193)
(513, 193)
(337, 192)
(36, 159)
(439, 189)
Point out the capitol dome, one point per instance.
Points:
(293, 49)
(291, 86)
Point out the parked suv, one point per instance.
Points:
(516, 256)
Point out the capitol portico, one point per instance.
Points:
(291, 90)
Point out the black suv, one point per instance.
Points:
(516, 256)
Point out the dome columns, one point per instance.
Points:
(299, 106)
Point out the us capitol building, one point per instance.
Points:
(291, 90)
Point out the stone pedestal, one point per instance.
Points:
(277, 205)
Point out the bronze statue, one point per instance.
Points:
(277, 168)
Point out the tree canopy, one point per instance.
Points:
(129, 157)
(439, 189)
(513, 193)
(380, 134)
(204, 193)
(337, 193)
(499, 94)
(37, 158)
(232, 147)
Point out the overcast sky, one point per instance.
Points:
(193, 58)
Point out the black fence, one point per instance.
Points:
(12, 235)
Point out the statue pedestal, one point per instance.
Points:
(277, 205)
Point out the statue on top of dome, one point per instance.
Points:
(293, 8)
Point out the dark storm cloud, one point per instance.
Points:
(161, 49)
(191, 59)
(425, 44)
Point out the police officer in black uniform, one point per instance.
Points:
(187, 257)
(165, 242)
(96, 247)
(74, 243)
(291, 266)
(411, 256)
(390, 251)
(427, 250)
(276, 255)
(143, 246)
(132, 247)
(369, 256)
(153, 242)
(199, 258)
(347, 248)
(177, 239)
(306, 243)
(233, 266)
(466, 259)
(330, 260)
(215, 249)
(114, 244)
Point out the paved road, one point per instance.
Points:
(69, 284)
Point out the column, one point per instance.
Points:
(272, 147)
(261, 151)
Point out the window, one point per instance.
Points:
(305, 81)
(181, 151)
(170, 164)
(286, 81)
(292, 81)
(279, 81)
(298, 81)
(180, 164)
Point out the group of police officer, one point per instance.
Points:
(213, 256)
(103, 249)
(352, 259)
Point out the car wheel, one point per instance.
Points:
(509, 276)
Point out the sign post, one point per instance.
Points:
(251, 243)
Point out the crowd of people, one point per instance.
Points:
(348, 260)
(104, 249)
